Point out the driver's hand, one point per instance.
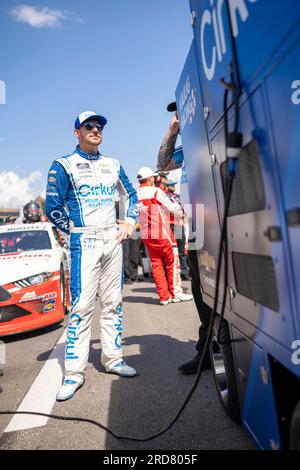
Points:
(125, 230)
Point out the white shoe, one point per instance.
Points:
(68, 389)
(122, 369)
(183, 298)
(166, 302)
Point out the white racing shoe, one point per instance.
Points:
(166, 302)
(122, 369)
(68, 389)
(183, 298)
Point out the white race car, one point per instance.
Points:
(34, 277)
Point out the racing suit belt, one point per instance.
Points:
(92, 228)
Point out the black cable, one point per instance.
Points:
(232, 164)
(199, 372)
(228, 188)
(223, 242)
(223, 248)
(236, 69)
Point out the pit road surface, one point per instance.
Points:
(156, 340)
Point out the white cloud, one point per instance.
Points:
(16, 191)
(40, 17)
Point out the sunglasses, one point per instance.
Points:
(89, 126)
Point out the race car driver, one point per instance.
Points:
(154, 214)
(84, 183)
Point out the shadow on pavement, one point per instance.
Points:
(145, 289)
(145, 404)
(138, 300)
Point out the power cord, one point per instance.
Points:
(199, 372)
(233, 145)
(200, 367)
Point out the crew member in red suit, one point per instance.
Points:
(155, 209)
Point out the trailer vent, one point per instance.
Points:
(248, 193)
(255, 278)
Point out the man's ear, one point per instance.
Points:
(76, 133)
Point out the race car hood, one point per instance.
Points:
(16, 266)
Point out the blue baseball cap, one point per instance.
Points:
(89, 116)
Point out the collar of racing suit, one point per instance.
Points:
(87, 156)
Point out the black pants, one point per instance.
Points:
(204, 311)
(131, 253)
(179, 234)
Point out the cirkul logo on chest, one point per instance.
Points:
(101, 190)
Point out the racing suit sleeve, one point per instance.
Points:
(56, 194)
(128, 199)
(163, 199)
(165, 160)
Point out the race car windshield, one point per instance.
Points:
(12, 242)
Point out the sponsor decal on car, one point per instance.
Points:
(49, 296)
(22, 228)
(22, 255)
(49, 306)
(28, 296)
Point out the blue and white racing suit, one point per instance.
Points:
(81, 201)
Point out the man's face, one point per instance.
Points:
(86, 136)
(163, 184)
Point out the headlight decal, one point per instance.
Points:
(33, 280)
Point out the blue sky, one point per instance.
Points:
(121, 58)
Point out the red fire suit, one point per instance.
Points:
(154, 216)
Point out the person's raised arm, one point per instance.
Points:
(165, 160)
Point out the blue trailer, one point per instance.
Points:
(255, 45)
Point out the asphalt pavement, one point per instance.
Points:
(156, 340)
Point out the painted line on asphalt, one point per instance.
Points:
(41, 396)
